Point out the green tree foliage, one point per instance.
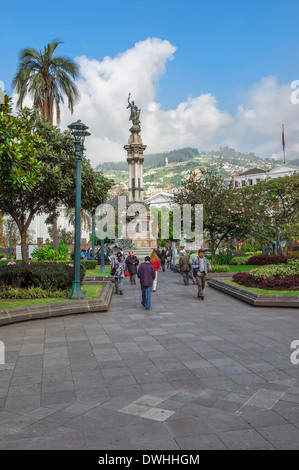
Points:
(56, 163)
(19, 167)
(47, 78)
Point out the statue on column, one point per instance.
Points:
(134, 116)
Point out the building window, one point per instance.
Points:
(258, 180)
(243, 183)
(236, 184)
(250, 182)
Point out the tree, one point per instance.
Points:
(228, 212)
(56, 165)
(280, 200)
(47, 79)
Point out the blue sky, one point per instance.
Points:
(223, 48)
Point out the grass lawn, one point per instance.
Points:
(266, 291)
(96, 272)
(242, 268)
(90, 292)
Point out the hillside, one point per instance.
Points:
(160, 176)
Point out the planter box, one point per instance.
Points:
(31, 312)
(253, 298)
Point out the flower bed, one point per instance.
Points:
(271, 277)
(267, 259)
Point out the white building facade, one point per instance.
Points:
(254, 176)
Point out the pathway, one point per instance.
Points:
(188, 374)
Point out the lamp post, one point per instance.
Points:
(79, 132)
(10, 224)
(93, 234)
(102, 268)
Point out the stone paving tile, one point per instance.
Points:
(264, 398)
(218, 374)
(201, 442)
(243, 439)
(280, 435)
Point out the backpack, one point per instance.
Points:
(113, 268)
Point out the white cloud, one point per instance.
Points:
(198, 122)
(2, 86)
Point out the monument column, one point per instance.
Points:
(135, 149)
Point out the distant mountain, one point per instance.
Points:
(157, 160)
(153, 160)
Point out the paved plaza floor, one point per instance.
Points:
(188, 374)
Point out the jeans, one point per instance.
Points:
(119, 283)
(169, 264)
(186, 277)
(155, 281)
(146, 296)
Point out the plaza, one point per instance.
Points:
(187, 374)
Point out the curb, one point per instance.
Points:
(253, 298)
(32, 312)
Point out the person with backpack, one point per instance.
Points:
(146, 274)
(163, 259)
(168, 258)
(132, 262)
(200, 266)
(118, 268)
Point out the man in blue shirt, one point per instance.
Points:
(201, 264)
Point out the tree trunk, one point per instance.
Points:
(23, 234)
(213, 248)
(55, 235)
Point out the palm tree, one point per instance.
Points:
(47, 79)
(85, 217)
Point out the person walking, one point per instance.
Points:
(168, 258)
(185, 268)
(132, 262)
(200, 266)
(156, 263)
(192, 256)
(118, 271)
(146, 274)
(163, 259)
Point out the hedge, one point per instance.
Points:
(52, 276)
(239, 260)
(267, 259)
(248, 280)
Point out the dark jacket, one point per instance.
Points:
(184, 263)
(146, 274)
(132, 268)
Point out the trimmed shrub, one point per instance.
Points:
(5, 261)
(239, 260)
(224, 268)
(9, 292)
(52, 276)
(276, 271)
(88, 264)
(246, 279)
(266, 259)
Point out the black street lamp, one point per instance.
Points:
(79, 132)
(10, 224)
(102, 268)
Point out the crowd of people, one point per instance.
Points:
(147, 271)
